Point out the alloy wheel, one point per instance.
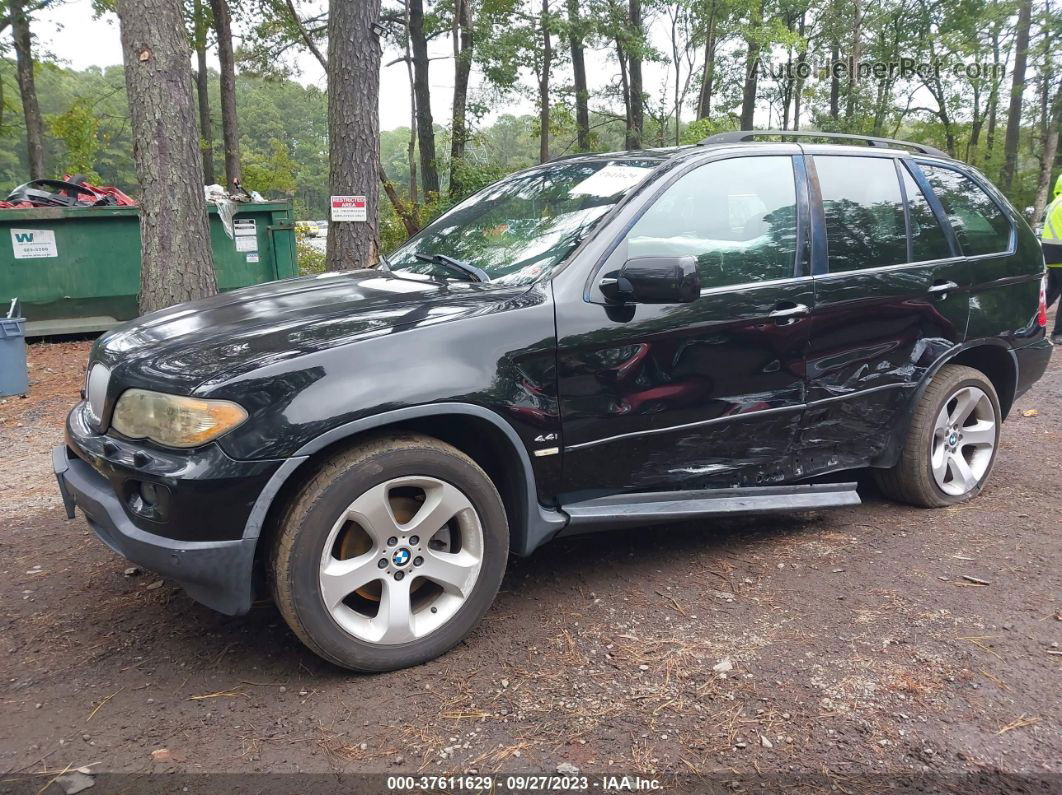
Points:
(401, 560)
(964, 441)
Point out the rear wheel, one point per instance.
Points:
(952, 442)
(391, 554)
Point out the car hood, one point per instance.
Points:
(190, 345)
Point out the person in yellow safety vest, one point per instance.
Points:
(1051, 240)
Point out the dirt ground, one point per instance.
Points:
(858, 646)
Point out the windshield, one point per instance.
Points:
(518, 229)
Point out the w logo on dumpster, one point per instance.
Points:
(33, 243)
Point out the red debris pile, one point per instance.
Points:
(66, 192)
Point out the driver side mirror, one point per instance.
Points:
(653, 280)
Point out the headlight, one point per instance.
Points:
(174, 420)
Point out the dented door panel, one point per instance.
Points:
(692, 396)
(875, 333)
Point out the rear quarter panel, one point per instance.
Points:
(1005, 290)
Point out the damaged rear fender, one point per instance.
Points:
(995, 358)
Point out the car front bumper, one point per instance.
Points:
(215, 573)
(204, 535)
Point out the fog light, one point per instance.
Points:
(150, 500)
(149, 493)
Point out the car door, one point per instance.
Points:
(891, 295)
(701, 394)
(1003, 281)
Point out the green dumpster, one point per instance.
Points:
(77, 269)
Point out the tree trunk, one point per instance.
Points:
(853, 65)
(409, 221)
(1048, 160)
(748, 94)
(1045, 171)
(939, 93)
(787, 82)
(634, 70)
(625, 90)
(31, 112)
(1017, 88)
(411, 147)
(976, 124)
(543, 86)
(429, 170)
(704, 98)
(230, 126)
(175, 260)
(202, 84)
(354, 130)
(993, 99)
(990, 133)
(708, 76)
(802, 58)
(462, 69)
(835, 81)
(675, 60)
(582, 94)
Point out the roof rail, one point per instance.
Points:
(741, 136)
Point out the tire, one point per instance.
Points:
(430, 587)
(926, 452)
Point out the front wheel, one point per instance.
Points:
(391, 554)
(952, 442)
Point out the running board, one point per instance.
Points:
(619, 510)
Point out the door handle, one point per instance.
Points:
(943, 287)
(789, 313)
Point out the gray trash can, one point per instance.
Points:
(14, 376)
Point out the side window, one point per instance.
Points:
(927, 238)
(738, 217)
(861, 200)
(980, 225)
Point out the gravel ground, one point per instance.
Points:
(857, 646)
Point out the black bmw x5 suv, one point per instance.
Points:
(605, 340)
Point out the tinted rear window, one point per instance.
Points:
(979, 223)
(861, 200)
(927, 238)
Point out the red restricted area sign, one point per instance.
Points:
(349, 208)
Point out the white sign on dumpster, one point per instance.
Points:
(33, 243)
(349, 208)
(245, 233)
(244, 227)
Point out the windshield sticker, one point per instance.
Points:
(611, 180)
(526, 274)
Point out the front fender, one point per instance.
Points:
(538, 524)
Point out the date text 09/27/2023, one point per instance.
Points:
(521, 783)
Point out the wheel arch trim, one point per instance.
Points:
(540, 523)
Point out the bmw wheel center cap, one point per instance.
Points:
(401, 557)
